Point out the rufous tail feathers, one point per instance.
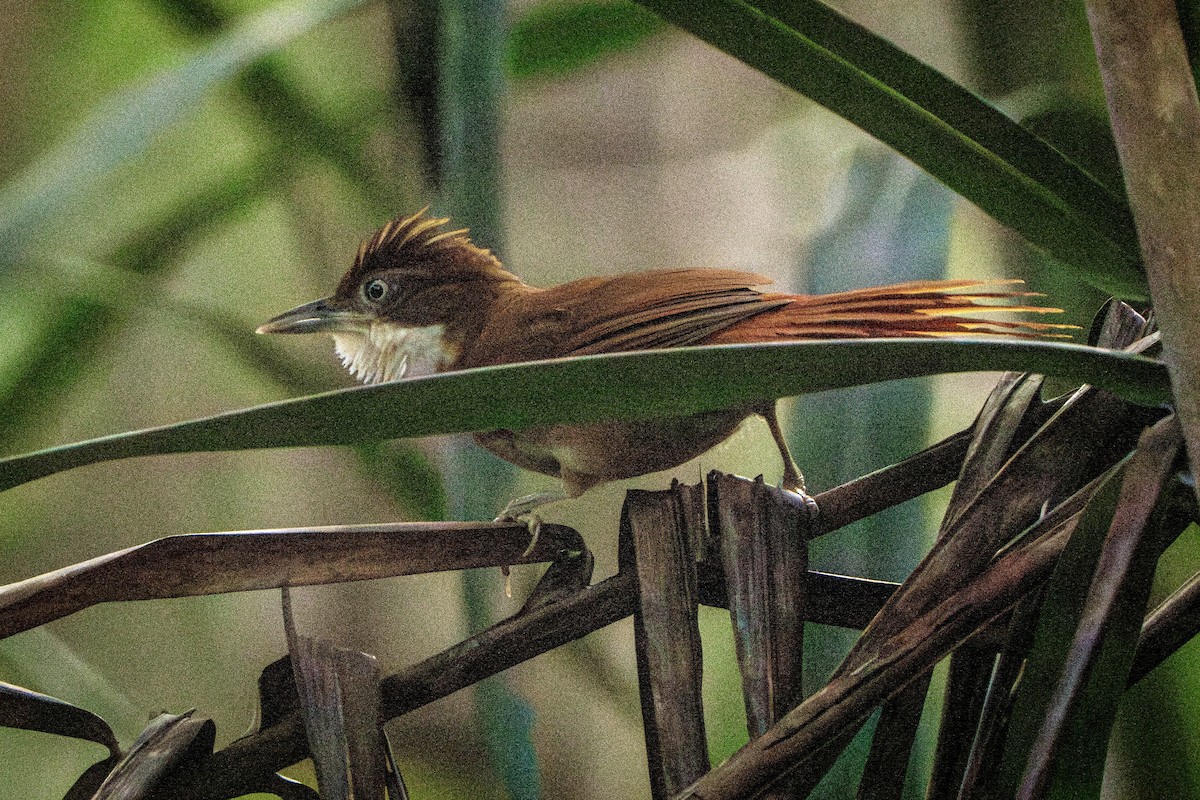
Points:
(917, 308)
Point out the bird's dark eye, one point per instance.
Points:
(375, 290)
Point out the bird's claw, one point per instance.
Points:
(810, 506)
(521, 510)
(534, 524)
(801, 497)
(521, 507)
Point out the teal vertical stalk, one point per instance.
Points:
(470, 78)
(893, 226)
(471, 86)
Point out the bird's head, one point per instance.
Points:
(414, 295)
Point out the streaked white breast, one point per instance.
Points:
(386, 352)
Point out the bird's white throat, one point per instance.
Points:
(383, 352)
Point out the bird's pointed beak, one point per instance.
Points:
(319, 316)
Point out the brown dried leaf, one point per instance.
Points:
(1171, 625)
(892, 742)
(1090, 432)
(932, 468)
(34, 711)
(851, 696)
(763, 539)
(996, 432)
(170, 742)
(1113, 569)
(214, 563)
(339, 703)
(662, 535)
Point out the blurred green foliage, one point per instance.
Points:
(558, 38)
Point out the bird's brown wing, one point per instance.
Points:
(640, 311)
(683, 307)
(671, 308)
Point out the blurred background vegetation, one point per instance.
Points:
(162, 191)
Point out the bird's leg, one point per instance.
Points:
(793, 480)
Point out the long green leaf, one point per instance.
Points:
(958, 137)
(647, 384)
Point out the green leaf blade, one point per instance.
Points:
(593, 388)
(959, 138)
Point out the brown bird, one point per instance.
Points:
(420, 298)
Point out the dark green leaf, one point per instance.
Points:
(955, 135)
(594, 388)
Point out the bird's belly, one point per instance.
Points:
(584, 455)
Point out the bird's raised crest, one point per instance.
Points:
(419, 245)
(408, 236)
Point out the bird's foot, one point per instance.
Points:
(519, 509)
(810, 505)
(793, 484)
(522, 510)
